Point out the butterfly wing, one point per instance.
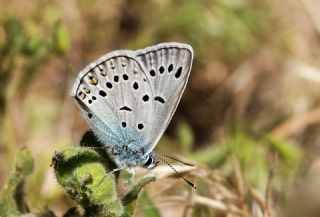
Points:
(168, 67)
(114, 95)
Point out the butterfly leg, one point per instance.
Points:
(111, 172)
(132, 173)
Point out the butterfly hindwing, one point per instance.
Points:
(114, 95)
(168, 67)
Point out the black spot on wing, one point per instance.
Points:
(161, 70)
(102, 93)
(135, 86)
(125, 108)
(125, 77)
(145, 98)
(152, 73)
(140, 126)
(178, 73)
(159, 99)
(109, 85)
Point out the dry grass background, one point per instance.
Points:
(249, 118)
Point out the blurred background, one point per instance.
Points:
(250, 115)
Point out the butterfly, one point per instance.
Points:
(129, 97)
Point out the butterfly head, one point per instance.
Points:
(150, 162)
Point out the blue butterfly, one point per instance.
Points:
(129, 97)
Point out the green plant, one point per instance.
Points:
(85, 173)
(12, 201)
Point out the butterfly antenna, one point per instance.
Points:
(180, 161)
(179, 174)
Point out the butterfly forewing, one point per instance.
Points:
(114, 95)
(168, 67)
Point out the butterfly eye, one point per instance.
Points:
(149, 161)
